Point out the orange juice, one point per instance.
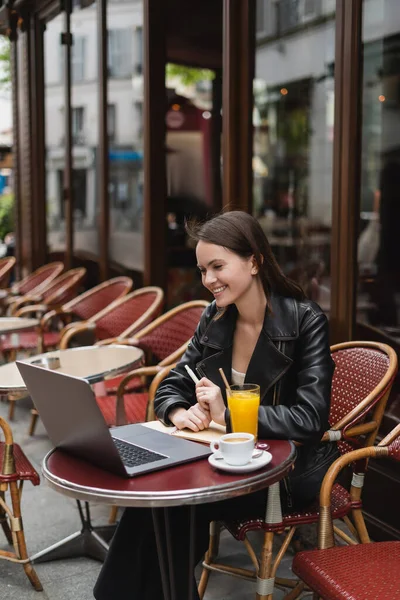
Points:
(243, 405)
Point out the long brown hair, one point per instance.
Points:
(241, 233)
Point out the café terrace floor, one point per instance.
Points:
(49, 517)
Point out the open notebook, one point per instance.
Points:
(213, 433)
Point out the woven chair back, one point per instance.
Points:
(171, 330)
(39, 279)
(63, 288)
(394, 449)
(358, 371)
(93, 301)
(119, 316)
(6, 264)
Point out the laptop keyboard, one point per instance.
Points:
(135, 456)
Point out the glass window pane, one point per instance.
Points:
(125, 132)
(378, 294)
(84, 126)
(293, 137)
(55, 133)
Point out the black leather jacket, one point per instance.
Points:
(291, 363)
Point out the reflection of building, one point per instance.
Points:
(294, 95)
(125, 103)
(326, 114)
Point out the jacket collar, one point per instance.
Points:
(280, 324)
(268, 363)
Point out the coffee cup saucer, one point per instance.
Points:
(255, 463)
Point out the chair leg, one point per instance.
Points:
(19, 537)
(210, 555)
(113, 515)
(11, 408)
(34, 419)
(4, 523)
(265, 584)
(361, 528)
(295, 593)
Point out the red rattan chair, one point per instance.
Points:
(15, 467)
(128, 314)
(83, 307)
(360, 572)
(361, 385)
(35, 282)
(60, 290)
(6, 265)
(140, 306)
(164, 342)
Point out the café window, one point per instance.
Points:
(120, 49)
(112, 124)
(78, 59)
(78, 122)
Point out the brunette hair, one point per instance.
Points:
(241, 233)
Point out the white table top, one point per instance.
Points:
(93, 363)
(15, 324)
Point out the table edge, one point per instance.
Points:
(170, 498)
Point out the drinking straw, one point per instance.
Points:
(191, 374)
(228, 387)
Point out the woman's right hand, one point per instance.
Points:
(195, 418)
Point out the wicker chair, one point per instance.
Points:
(15, 467)
(164, 342)
(34, 283)
(360, 572)
(60, 290)
(6, 265)
(83, 307)
(361, 385)
(131, 313)
(139, 307)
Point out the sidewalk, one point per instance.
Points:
(48, 517)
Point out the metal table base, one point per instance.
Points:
(90, 541)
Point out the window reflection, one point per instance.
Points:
(378, 301)
(84, 125)
(125, 132)
(55, 134)
(293, 137)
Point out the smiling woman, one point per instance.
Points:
(262, 326)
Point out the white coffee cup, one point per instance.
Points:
(235, 448)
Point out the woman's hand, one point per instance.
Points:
(195, 418)
(209, 397)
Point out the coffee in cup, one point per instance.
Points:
(235, 448)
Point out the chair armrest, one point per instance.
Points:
(25, 301)
(72, 330)
(8, 466)
(325, 527)
(150, 415)
(119, 341)
(140, 372)
(32, 308)
(55, 312)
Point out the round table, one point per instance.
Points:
(15, 324)
(189, 484)
(93, 363)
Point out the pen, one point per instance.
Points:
(191, 374)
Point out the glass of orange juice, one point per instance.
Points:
(243, 403)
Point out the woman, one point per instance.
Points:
(260, 329)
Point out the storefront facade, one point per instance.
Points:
(299, 124)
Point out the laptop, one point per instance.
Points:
(75, 424)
